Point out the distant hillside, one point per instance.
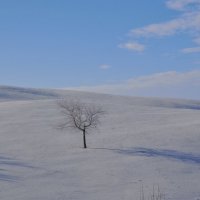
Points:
(8, 93)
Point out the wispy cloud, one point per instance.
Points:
(105, 67)
(197, 40)
(133, 46)
(180, 4)
(197, 62)
(168, 84)
(187, 22)
(191, 50)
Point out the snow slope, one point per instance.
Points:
(141, 141)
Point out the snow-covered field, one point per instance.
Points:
(147, 141)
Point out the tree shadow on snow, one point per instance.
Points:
(9, 178)
(182, 106)
(162, 153)
(7, 163)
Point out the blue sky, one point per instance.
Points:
(131, 47)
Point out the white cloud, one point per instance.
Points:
(104, 67)
(197, 40)
(191, 50)
(187, 22)
(180, 4)
(197, 62)
(133, 46)
(168, 84)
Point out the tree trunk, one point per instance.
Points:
(84, 139)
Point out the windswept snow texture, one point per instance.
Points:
(141, 141)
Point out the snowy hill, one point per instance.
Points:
(16, 93)
(140, 141)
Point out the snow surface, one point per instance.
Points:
(141, 141)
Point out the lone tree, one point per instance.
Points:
(80, 116)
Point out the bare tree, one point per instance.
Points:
(80, 116)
